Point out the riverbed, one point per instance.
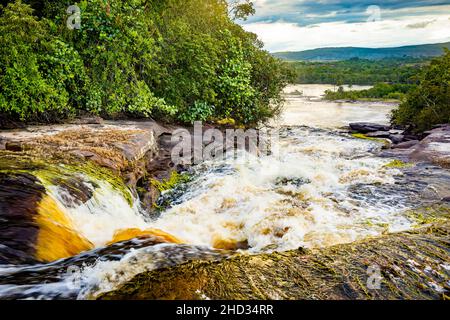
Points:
(323, 188)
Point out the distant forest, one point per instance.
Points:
(346, 53)
(360, 71)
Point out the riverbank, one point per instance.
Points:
(83, 196)
(52, 178)
(412, 265)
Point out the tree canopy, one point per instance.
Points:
(175, 60)
(429, 103)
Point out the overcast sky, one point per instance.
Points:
(293, 25)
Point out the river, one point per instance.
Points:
(323, 188)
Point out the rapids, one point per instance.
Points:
(322, 188)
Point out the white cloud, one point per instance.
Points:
(390, 31)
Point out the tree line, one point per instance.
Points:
(360, 71)
(170, 60)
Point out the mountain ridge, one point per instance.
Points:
(346, 53)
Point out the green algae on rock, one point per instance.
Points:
(386, 143)
(398, 164)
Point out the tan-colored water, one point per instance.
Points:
(310, 110)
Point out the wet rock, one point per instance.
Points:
(396, 131)
(366, 127)
(137, 146)
(134, 233)
(434, 148)
(442, 125)
(284, 181)
(88, 120)
(33, 227)
(227, 244)
(411, 137)
(339, 272)
(396, 138)
(77, 192)
(83, 154)
(3, 143)
(406, 144)
(378, 134)
(15, 146)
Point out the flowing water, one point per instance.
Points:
(322, 188)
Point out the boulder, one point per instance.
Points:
(378, 134)
(410, 137)
(406, 144)
(396, 138)
(88, 120)
(15, 146)
(434, 148)
(34, 228)
(366, 127)
(2, 143)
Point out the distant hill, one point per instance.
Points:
(345, 53)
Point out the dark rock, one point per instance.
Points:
(378, 134)
(410, 137)
(397, 132)
(83, 154)
(319, 274)
(406, 144)
(19, 197)
(438, 126)
(15, 146)
(446, 199)
(434, 148)
(366, 127)
(138, 145)
(396, 138)
(76, 190)
(7, 123)
(88, 120)
(2, 143)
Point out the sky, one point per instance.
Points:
(296, 25)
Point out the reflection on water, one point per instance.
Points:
(310, 110)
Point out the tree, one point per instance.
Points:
(241, 9)
(429, 103)
(172, 60)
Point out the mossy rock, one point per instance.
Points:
(412, 265)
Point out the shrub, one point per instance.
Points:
(429, 103)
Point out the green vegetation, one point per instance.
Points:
(429, 103)
(385, 142)
(359, 71)
(170, 183)
(398, 164)
(381, 91)
(174, 60)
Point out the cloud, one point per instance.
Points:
(388, 32)
(307, 24)
(304, 12)
(420, 25)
